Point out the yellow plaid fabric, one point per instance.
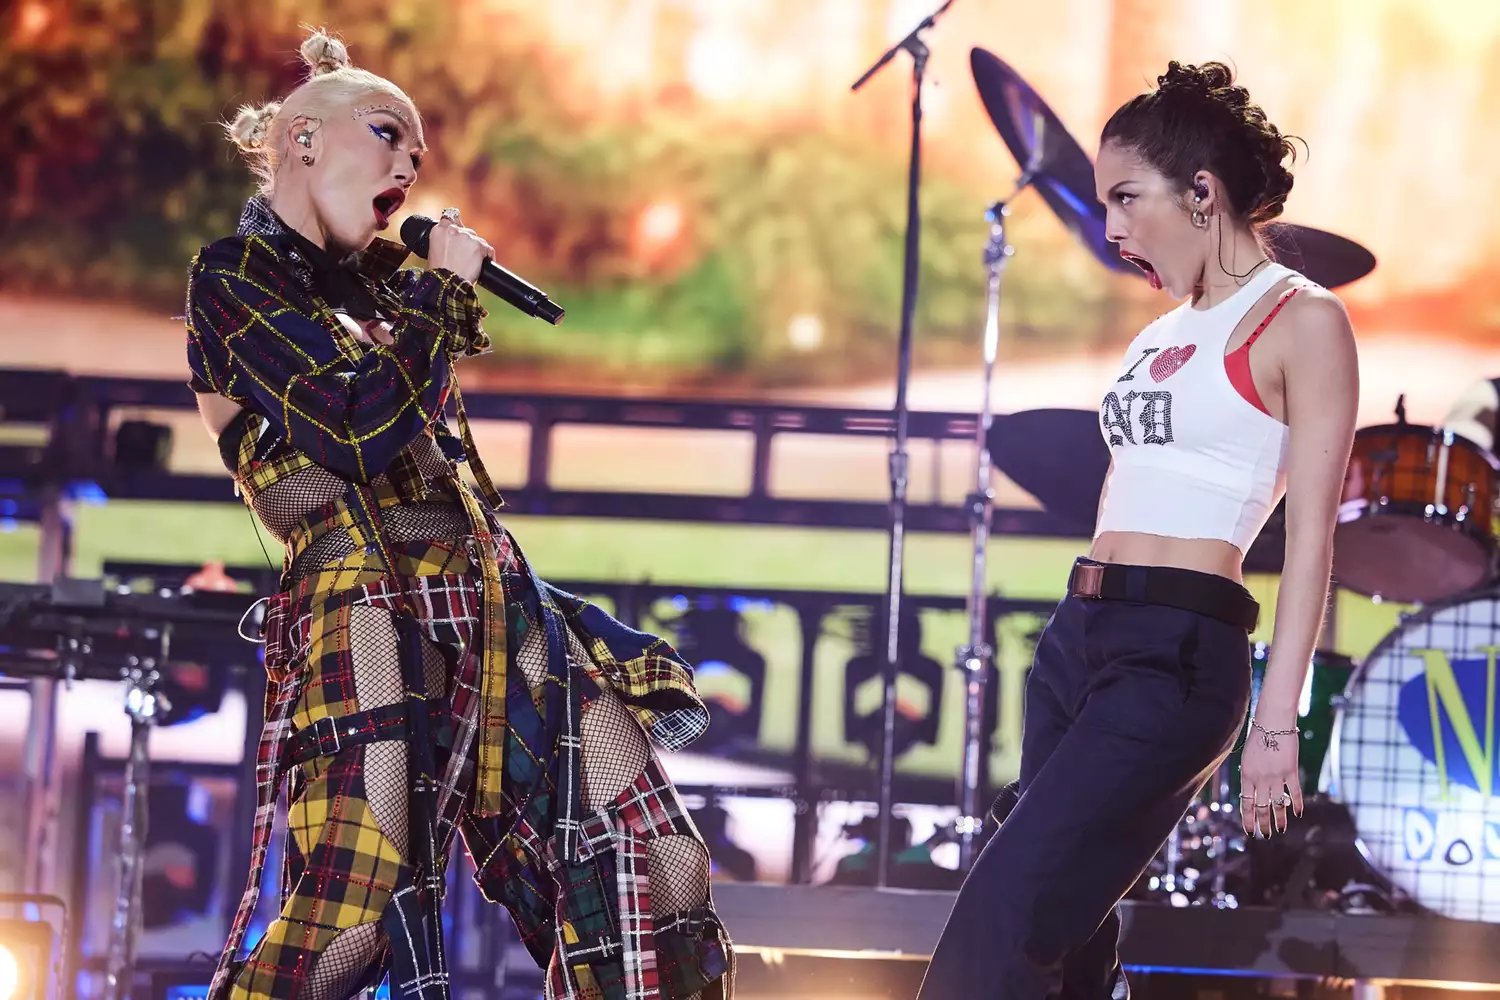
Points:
(343, 873)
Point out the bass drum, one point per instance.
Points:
(1414, 756)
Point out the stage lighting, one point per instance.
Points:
(25, 959)
(10, 973)
(731, 675)
(915, 723)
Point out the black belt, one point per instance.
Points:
(328, 735)
(1167, 586)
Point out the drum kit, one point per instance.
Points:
(1398, 751)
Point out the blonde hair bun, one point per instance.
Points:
(263, 132)
(324, 54)
(248, 130)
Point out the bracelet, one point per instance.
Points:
(1269, 735)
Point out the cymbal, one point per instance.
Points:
(1326, 258)
(1058, 167)
(1056, 455)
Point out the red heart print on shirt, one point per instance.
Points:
(1165, 364)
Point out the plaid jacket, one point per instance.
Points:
(260, 335)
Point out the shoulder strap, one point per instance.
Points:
(1286, 297)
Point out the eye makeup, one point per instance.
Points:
(393, 110)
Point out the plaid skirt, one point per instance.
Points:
(576, 883)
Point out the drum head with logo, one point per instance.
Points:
(1414, 757)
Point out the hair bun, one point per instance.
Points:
(1273, 149)
(1198, 118)
(248, 130)
(1207, 79)
(324, 54)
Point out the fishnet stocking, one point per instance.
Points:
(343, 963)
(414, 522)
(284, 505)
(531, 658)
(615, 751)
(427, 455)
(375, 649)
(377, 681)
(679, 874)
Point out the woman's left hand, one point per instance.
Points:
(1269, 786)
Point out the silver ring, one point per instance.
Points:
(1283, 799)
(449, 213)
(1260, 805)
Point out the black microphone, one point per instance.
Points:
(523, 295)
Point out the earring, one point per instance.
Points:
(307, 160)
(1199, 219)
(305, 138)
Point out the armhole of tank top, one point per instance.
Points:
(1237, 362)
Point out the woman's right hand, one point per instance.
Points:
(455, 248)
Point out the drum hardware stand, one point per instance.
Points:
(1224, 836)
(143, 704)
(913, 45)
(39, 754)
(976, 657)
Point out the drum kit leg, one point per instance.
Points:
(976, 656)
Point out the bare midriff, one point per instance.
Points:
(1205, 555)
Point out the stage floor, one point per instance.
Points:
(1305, 944)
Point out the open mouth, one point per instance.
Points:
(1144, 265)
(386, 203)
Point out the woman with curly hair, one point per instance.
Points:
(1243, 393)
(422, 681)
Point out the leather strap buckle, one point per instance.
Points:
(1088, 580)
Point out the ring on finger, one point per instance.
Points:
(449, 213)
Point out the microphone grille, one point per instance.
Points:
(414, 233)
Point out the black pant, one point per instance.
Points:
(1129, 709)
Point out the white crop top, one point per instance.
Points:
(1193, 457)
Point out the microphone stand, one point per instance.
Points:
(914, 45)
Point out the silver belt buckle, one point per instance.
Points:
(1088, 580)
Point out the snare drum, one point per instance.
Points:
(1414, 757)
(1416, 521)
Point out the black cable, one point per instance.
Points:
(1264, 260)
(256, 528)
